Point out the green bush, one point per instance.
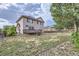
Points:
(9, 30)
(0, 30)
(75, 39)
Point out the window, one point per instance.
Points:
(31, 28)
(26, 25)
(37, 22)
(27, 20)
(32, 21)
(41, 23)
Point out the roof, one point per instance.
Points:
(32, 18)
(40, 19)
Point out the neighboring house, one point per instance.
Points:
(49, 29)
(28, 24)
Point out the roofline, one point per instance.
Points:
(40, 18)
(20, 18)
(32, 18)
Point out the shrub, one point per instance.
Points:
(0, 30)
(9, 30)
(75, 39)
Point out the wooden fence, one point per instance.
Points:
(1, 35)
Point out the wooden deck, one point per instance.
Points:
(32, 31)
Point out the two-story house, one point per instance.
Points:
(28, 24)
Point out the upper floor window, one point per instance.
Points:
(38, 22)
(35, 22)
(29, 20)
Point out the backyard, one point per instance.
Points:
(55, 33)
(47, 44)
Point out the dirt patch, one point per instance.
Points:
(64, 49)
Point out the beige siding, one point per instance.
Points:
(23, 22)
(34, 24)
(21, 26)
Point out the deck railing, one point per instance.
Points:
(32, 31)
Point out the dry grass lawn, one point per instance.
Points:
(29, 45)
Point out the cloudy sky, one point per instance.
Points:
(9, 13)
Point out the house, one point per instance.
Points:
(28, 24)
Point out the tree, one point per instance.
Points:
(66, 14)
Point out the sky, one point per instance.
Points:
(10, 12)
